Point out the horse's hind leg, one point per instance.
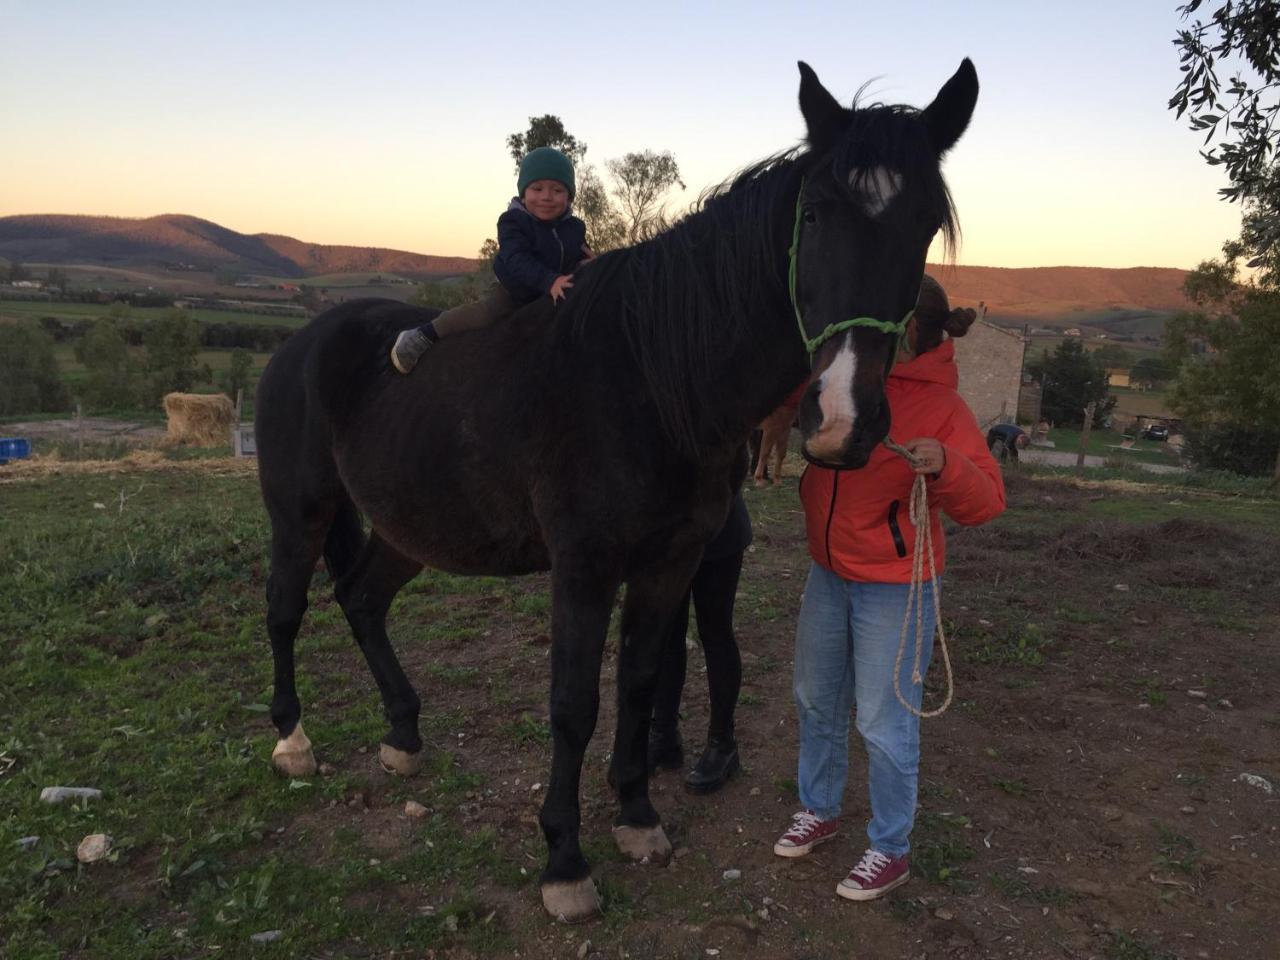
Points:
(366, 592)
(780, 452)
(296, 543)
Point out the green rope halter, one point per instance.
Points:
(884, 326)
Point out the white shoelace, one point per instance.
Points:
(803, 822)
(872, 862)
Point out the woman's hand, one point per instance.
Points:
(931, 456)
(559, 286)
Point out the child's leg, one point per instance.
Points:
(411, 344)
(492, 306)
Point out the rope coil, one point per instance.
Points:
(919, 513)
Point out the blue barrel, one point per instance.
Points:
(14, 448)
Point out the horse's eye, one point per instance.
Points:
(809, 215)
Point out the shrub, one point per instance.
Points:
(29, 381)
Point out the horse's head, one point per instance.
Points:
(872, 200)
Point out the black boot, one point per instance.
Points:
(717, 764)
(666, 751)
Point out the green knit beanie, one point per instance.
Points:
(546, 163)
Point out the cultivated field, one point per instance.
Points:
(1115, 670)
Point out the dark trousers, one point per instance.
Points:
(712, 593)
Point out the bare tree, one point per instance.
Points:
(639, 182)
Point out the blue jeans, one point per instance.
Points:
(846, 643)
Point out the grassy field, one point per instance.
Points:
(137, 663)
(1106, 443)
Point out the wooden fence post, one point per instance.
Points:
(1084, 436)
(79, 431)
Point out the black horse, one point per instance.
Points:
(599, 438)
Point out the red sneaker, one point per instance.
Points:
(805, 833)
(874, 876)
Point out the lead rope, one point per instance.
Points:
(919, 514)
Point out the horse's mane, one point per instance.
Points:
(683, 298)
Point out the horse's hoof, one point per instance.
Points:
(760, 483)
(292, 755)
(645, 844)
(573, 901)
(399, 762)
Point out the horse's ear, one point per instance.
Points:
(822, 113)
(948, 115)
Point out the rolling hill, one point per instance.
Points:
(1131, 301)
(176, 239)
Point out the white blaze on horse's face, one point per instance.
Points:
(875, 188)
(835, 400)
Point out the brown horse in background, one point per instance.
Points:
(775, 431)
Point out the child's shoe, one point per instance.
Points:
(408, 349)
(875, 875)
(805, 833)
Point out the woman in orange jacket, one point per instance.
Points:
(860, 538)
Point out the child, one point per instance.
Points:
(539, 244)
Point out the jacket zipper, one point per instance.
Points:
(899, 544)
(831, 513)
(561, 243)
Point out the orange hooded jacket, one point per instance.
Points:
(858, 520)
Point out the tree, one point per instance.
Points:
(56, 277)
(606, 229)
(639, 182)
(1153, 370)
(173, 348)
(1112, 356)
(1070, 380)
(1246, 34)
(236, 378)
(546, 131)
(18, 272)
(111, 372)
(29, 380)
(1227, 355)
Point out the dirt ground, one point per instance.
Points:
(1087, 795)
(90, 429)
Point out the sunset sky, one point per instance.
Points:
(385, 124)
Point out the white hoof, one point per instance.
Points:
(574, 901)
(399, 762)
(292, 755)
(645, 844)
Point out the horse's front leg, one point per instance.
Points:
(652, 598)
(581, 601)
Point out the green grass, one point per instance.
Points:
(78, 311)
(137, 664)
(1104, 443)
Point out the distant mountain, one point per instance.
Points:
(1133, 300)
(174, 239)
(1062, 296)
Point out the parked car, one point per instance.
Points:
(1155, 431)
(1004, 440)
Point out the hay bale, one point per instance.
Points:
(203, 420)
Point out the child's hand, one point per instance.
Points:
(587, 253)
(561, 284)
